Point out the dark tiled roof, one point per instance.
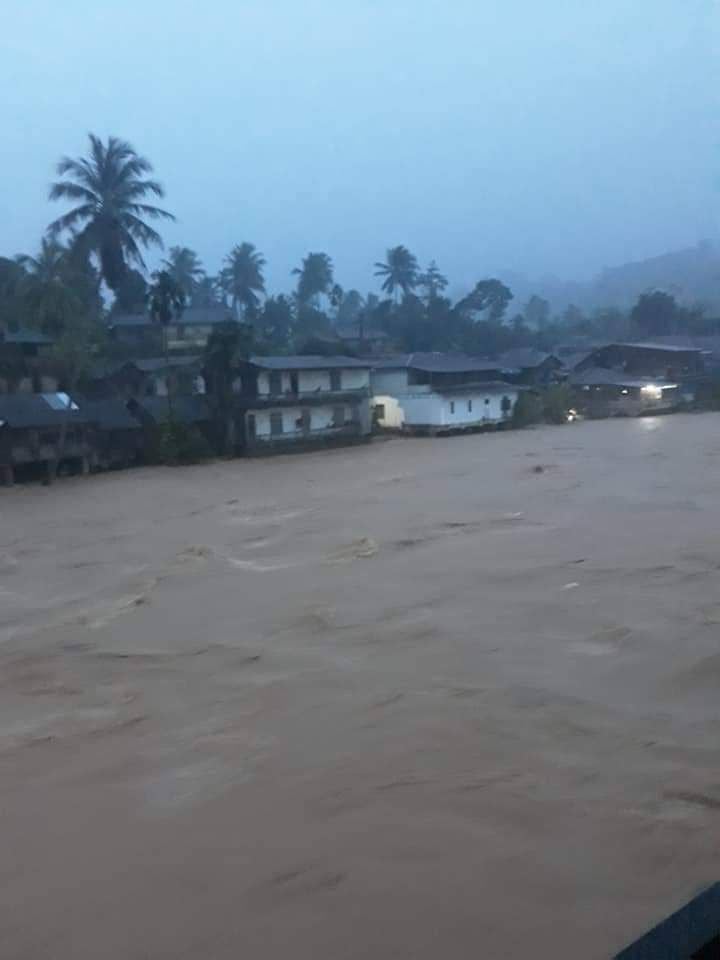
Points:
(309, 363)
(110, 413)
(654, 345)
(489, 386)
(35, 410)
(191, 316)
(436, 363)
(524, 358)
(600, 377)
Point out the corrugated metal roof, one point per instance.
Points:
(110, 413)
(436, 363)
(310, 363)
(481, 386)
(525, 358)
(26, 410)
(651, 345)
(600, 377)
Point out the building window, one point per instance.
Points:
(335, 380)
(469, 406)
(276, 423)
(452, 406)
(294, 384)
(251, 427)
(338, 417)
(380, 411)
(275, 382)
(487, 401)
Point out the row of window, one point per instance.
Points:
(276, 384)
(506, 404)
(341, 417)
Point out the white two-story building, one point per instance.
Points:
(288, 400)
(439, 393)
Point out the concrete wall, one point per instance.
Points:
(455, 411)
(389, 382)
(321, 421)
(393, 414)
(355, 379)
(314, 381)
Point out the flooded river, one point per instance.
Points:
(423, 698)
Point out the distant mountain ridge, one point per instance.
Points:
(691, 275)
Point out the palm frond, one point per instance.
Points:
(70, 219)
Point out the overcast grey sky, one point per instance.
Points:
(529, 135)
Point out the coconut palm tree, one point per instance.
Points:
(55, 287)
(166, 301)
(242, 277)
(315, 277)
(111, 185)
(400, 271)
(432, 281)
(184, 266)
(208, 292)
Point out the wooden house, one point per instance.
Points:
(45, 430)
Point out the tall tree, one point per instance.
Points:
(657, 313)
(242, 277)
(132, 294)
(537, 312)
(336, 297)
(432, 282)
(227, 345)
(276, 324)
(167, 302)
(351, 307)
(490, 297)
(184, 266)
(57, 287)
(208, 292)
(12, 285)
(111, 185)
(315, 278)
(400, 271)
(166, 298)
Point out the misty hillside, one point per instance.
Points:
(692, 275)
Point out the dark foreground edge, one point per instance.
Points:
(692, 932)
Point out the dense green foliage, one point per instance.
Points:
(180, 443)
(110, 187)
(58, 290)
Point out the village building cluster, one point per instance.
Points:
(280, 403)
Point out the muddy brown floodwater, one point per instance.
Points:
(419, 699)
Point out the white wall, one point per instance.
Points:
(392, 382)
(394, 415)
(437, 410)
(321, 420)
(355, 379)
(311, 381)
(315, 381)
